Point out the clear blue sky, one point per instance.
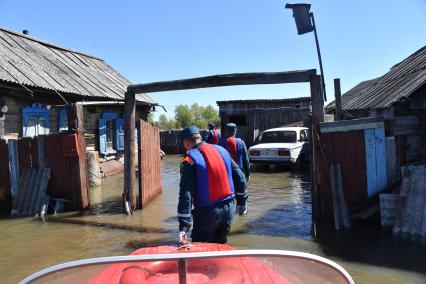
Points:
(158, 40)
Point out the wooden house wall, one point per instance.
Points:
(13, 121)
(91, 115)
(405, 120)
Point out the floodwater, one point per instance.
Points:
(278, 218)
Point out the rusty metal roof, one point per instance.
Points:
(35, 63)
(400, 82)
(288, 100)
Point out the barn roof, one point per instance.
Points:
(400, 82)
(34, 63)
(277, 101)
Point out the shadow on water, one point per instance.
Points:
(70, 219)
(367, 243)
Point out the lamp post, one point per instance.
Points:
(305, 23)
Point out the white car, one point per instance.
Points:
(284, 145)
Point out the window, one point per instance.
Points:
(35, 120)
(279, 137)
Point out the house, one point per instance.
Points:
(399, 97)
(254, 116)
(38, 79)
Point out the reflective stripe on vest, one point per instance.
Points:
(213, 174)
(235, 148)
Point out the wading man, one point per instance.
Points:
(237, 149)
(213, 135)
(210, 180)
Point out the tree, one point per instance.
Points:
(211, 115)
(183, 116)
(150, 118)
(166, 123)
(186, 116)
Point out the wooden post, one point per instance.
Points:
(140, 189)
(317, 104)
(75, 117)
(338, 100)
(129, 194)
(93, 168)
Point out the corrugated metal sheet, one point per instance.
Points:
(400, 82)
(31, 195)
(34, 63)
(301, 99)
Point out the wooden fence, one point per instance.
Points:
(149, 174)
(64, 154)
(171, 143)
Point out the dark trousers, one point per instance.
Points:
(212, 223)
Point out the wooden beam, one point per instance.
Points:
(338, 100)
(351, 125)
(317, 103)
(129, 194)
(225, 80)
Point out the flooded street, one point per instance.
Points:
(278, 218)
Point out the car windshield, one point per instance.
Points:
(279, 137)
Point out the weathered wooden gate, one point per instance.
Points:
(358, 146)
(149, 161)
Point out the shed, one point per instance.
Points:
(399, 98)
(37, 80)
(255, 116)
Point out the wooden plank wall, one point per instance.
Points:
(69, 173)
(27, 153)
(375, 160)
(5, 184)
(348, 150)
(150, 183)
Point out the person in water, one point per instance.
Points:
(237, 149)
(213, 135)
(210, 180)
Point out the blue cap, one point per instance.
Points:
(189, 131)
(231, 126)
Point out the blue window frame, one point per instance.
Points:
(119, 134)
(107, 132)
(35, 120)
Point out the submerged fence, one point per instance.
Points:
(64, 154)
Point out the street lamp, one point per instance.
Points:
(304, 25)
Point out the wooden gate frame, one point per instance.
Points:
(301, 76)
